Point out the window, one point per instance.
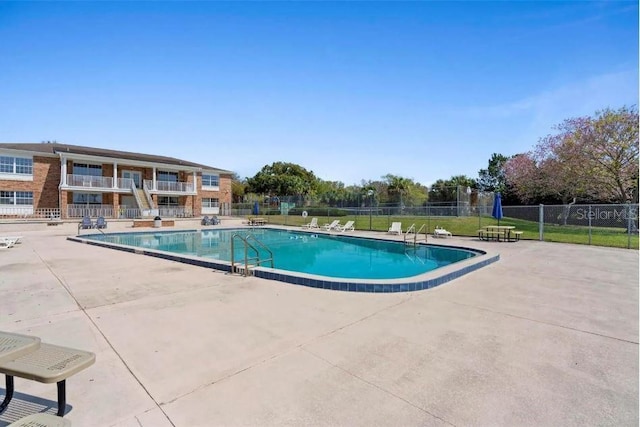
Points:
(6, 198)
(24, 197)
(167, 176)
(87, 198)
(16, 198)
(167, 201)
(210, 180)
(85, 169)
(210, 203)
(17, 165)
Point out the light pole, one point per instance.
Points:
(370, 194)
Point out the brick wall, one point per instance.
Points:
(223, 194)
(46, 179)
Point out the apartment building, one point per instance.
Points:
(44, 180)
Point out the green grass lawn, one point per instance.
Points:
(468, 226)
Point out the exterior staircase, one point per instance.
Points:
(144, 204)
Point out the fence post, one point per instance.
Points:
(628, 225)
(589, 224)
(541, 222)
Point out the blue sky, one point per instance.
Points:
(349, 90)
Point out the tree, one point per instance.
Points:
(238, 188)
(404, 191)
(524, 177)
(610, 143)
(397, 185)
(588, 158)
(284, 179)
(331, 192)
(447, 190)
(492, 178)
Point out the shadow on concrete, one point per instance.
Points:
(24, 404)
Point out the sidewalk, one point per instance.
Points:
(546, 336)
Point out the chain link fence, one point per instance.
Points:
(614, 225)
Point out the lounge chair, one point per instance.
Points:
(86, 223)
(441, 232)
(6, 243)
(16, 239)
(100, 222)
(332, 226)
(210, 221)
(396, 228)
(347, 227)
(312, 224)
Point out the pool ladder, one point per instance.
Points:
(245, 268)
(411, 231)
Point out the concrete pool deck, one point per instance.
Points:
(546, 336)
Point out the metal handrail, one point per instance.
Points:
(147, 194)
(248, 245)
(410, 230)
(134, 190)
(415, 233)
(265, 247)
(424, 227)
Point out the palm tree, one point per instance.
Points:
(399, 185)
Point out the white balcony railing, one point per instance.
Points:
(175, 212)
(126, 183)
(170, 187)
(89, 181)
(93, 211)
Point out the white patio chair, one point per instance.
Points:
(347, 227)
(396, 228)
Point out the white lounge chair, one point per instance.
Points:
(396, 228)
(16, 239)
(347, 227)
(312, 224)
(6, 243)
(441, 232)
(332, 226)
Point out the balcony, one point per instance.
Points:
(168, 187)
(98, 182)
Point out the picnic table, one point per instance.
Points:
(26, 357)
(257, 221)
(497, 232)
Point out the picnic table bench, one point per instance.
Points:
(27, 357)
(41, 419)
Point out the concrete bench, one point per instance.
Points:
(46, 363)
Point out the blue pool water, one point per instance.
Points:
(320, 254)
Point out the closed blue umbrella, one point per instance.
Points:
(497, 207)
(256, 208)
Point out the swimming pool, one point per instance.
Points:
(312, 259)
